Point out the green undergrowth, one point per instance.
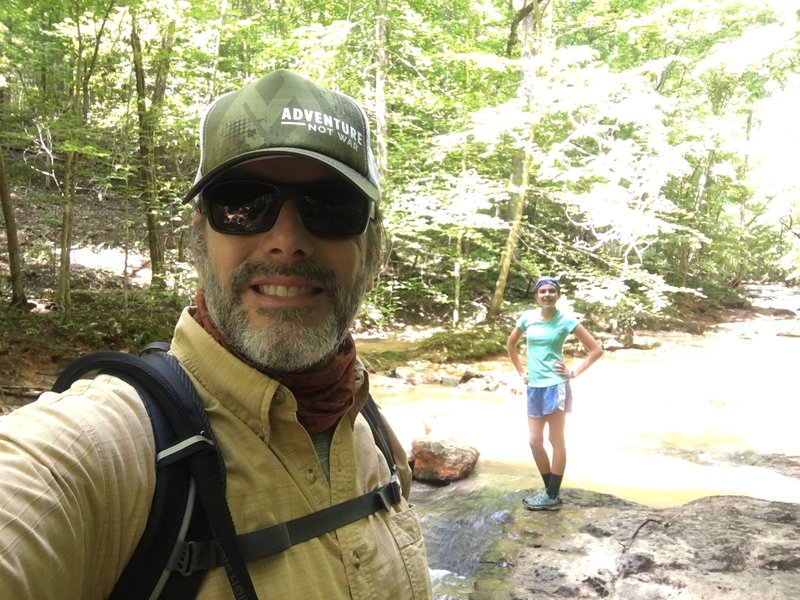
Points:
(113, 320)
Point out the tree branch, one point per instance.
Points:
(523, 12)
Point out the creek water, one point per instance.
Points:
(693, 417)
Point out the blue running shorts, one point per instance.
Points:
(543, 401)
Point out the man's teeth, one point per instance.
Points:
(285, 291)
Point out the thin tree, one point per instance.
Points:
(18, 298)
(531, 15)
(80, 102)
(381, 68)
(148, 123)
(519, 186)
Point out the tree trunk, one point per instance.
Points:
(70, 176)
(687, 248)
(80, 103)
(18, 298)
(381, 66)
(535, 8)
(743, 258)
(457, 278)
(212, 80)
(531, 16)
(148, 120)
(519, 184)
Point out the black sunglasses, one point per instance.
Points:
(328, 209)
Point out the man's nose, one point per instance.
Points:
(288, 238)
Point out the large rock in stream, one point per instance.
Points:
(599, 546)
(442, 459)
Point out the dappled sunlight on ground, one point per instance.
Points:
(113, 260)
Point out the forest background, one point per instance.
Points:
(642, 151)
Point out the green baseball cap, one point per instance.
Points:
(286, 114)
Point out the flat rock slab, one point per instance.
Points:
(718, 547)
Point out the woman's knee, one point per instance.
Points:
(536, 442)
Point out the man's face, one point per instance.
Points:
(285, 298)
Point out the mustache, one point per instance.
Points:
(311, 270)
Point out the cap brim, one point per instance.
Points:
(348, 173)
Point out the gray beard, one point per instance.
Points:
(285, 345)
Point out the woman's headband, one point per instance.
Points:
(547, 280)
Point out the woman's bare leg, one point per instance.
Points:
(536, 441)
(556, 422)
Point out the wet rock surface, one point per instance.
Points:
(598, 546)
(717, 547)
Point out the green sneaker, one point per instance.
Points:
(542, 502)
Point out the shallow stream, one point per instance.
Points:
(695, 416)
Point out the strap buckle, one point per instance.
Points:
(193, 557)
(183, 563)
(391, 493)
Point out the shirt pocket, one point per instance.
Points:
(404, 527)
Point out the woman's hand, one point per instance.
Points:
(562, 370)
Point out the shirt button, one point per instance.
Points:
(311, 476)
(356, 560)
(278, 399)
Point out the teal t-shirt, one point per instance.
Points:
(545, 342)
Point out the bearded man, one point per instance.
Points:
(286, 233)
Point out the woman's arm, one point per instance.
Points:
(593, 347)
(513, 354)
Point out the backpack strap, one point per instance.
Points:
(200, 556)
(166, 391)
(378, 427)
(183, 435)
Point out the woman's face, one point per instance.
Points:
(547, 295)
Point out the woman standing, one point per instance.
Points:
(548, 381)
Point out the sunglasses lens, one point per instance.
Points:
(334, 210)
(242, 206)
(330, 209)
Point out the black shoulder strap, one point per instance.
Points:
(167, 392)
(202, 556)
(378, 427)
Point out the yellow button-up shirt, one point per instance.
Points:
(77, 474)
